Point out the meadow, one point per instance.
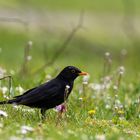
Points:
(102, 106)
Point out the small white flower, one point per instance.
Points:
(121, 70)
(137, 101)
(100, 137)
(86, 78)
(19, 89)
(4, 89)
(80, 98)
(67, 89)
(116, 107)
(117, 102)
(15, 106)
(48, 77)
(2, 72)
(115, 87)
(6, 97)
(116, 96)
(30, 43)
(27, 110)
(96, 86)
(85, 83)
(71, 132)
(107, 54)
(121, 106)
(108, 106)
(29, 57)
(67, 86)
(1, 125)
(26, 129)
(12, 72)
(3, 113)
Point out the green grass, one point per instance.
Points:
(86, 53)
(116, 112)
(73, 5)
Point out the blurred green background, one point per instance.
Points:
(107, 26)
(39, 37)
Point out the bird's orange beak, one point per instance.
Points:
(83, 73)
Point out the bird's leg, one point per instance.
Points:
(43, 111)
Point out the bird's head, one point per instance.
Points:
(70, 73)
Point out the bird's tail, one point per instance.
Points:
(4, 102)
(7, 102)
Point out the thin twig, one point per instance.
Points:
(24, 68)
(63, 46)
(10, 78)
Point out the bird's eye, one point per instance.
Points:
(73, 71)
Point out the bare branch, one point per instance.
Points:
(13, 19)
(63, 46)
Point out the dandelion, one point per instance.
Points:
(91, 113)
(106, 82)
(121, 70)
(107, 63)
(3, 113)
(86, 79)
(26, 129)
(96, 87)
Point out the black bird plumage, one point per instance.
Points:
(49, 94)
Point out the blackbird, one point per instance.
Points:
(51, 93)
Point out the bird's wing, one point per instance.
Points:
(43, 92)
(28, 91)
